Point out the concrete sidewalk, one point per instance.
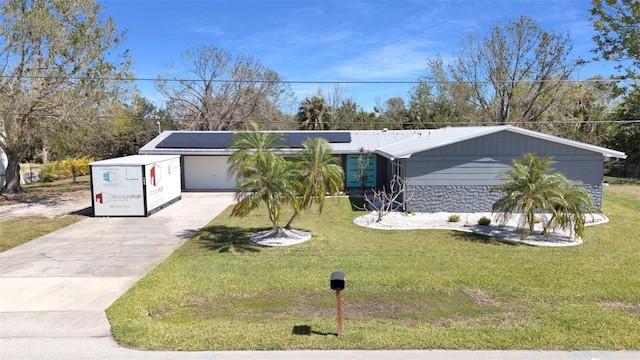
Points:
(54, 291)
(107, 349)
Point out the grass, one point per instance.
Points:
(41, 191)
(16, 232)
(405, 289)
(23, 229)
(618, 180)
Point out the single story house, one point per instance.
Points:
(450, 169)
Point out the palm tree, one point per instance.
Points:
(251, 147)
(313, 114)
(320, 174)
(529, 186)
(273, 182)
(265, 177)
(570, 208)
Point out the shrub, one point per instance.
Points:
(484, 221)
(65, 169)
(454, 218)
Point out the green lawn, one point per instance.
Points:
(20, 230)
(16, 232)
(405, 289)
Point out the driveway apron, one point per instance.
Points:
(59, 285)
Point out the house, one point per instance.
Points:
(450, 169)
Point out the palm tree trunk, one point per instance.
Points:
(545, 230)
(293, 217)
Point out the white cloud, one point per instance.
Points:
(207, 29)
(394, 61)
(196, 26)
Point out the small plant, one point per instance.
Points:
(383, 202)
(484, 221)
(454, 218)
(410, 211)
(537, 220)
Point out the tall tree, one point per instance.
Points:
(582, 113)
(437, 101)
(138, 123)
(626, 134)
(350, 116)
(314, 114)
(336, 97)
(393, 114)
(55, 71)
(421, 101)
(345, 115)
(514, 73)
(617, 23)
(216, 91)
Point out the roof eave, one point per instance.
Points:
(577, 144)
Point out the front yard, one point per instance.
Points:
(405, 289)
(42, 208)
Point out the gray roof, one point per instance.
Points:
(372, 140)
(450, 135)
(369, 140)
(392, 144)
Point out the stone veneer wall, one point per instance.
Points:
(469, 198)
(596, 194)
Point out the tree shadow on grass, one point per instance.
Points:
(478, 238)
(306, 330)
(224, 239)
(358, 203)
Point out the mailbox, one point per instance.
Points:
(337, 280)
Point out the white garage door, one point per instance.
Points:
(207, 173)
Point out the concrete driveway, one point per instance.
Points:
(60, 284)
(54, 291)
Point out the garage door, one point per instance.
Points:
(207, 173)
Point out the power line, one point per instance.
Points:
(356, 82)
(375, 121)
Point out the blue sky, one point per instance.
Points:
(323, 40)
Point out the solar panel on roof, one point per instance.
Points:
(223, 140)
(176, 141)
(212, 141)
(294, 140)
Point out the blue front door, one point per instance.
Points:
(361, 168)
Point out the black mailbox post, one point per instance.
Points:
(337, 283)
